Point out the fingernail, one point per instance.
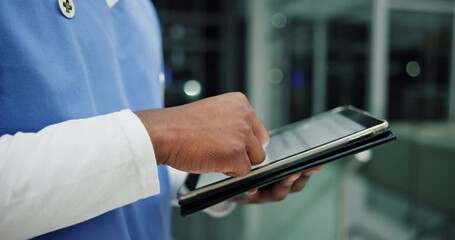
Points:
(252, 192)
(230, 174)
(295, 177)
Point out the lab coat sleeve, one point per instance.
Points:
(73, 171)
(219, 210)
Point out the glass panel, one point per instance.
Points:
(300, 72)
(419, 65)
(329, 42)
(347, 73)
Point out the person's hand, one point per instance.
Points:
(217, 134)
(279, 190)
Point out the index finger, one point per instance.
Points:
(260, 131)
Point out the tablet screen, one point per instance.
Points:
(307, 134)
(310, 134)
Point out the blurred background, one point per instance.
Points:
(295, 58)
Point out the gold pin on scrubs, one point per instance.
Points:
(67, 8)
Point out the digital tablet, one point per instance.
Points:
(293, 148)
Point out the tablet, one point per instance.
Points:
(293, 148)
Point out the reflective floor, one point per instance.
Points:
(375, 212)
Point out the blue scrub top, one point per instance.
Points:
(54, 69)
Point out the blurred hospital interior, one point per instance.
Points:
(297, 58)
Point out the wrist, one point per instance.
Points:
(152, 121)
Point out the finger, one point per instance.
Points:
(255, 151)
(260, 131)
(244, 199)
(258, 197)
(283, 187)
(241, 168)
(289, 181)
(258, 127)
(247, 197)
(252, 191)
(300, 183)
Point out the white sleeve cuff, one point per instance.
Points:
(142, 148)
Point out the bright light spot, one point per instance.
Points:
(413, 69)
(364, 156)
(279, 20)
(275, 75)
(192, 88)
(161, 78)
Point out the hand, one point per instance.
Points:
(217, 134)
(279, 190)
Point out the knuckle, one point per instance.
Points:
(242, 101)
(249, 113)
(236, 148)
(240, 95)
(243, 129)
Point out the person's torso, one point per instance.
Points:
(54, 69)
